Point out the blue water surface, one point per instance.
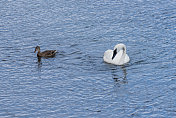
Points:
(76, 83)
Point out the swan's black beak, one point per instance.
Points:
(114, 53)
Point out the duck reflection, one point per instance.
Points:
(39, 59)
(39, 67)
(39, 62)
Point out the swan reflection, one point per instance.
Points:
(120, 82)
(120, 79)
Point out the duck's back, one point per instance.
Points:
(47, 53)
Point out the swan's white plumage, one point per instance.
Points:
(120, 58)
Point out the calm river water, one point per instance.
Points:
(76, 83)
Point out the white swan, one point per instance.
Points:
(117, 56)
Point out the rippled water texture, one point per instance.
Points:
(76, 83)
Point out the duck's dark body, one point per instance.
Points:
(47, 53)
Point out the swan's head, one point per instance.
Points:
(120, 46)
(117, 48)
(37, 48)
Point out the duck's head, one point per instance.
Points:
(117, 48)
(37, 48)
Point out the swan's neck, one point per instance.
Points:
(122, 57)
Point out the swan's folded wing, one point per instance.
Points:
(127, 59)
(108, 56)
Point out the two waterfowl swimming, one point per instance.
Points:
(47, 53)
(117, 56)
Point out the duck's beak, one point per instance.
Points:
(114, 53)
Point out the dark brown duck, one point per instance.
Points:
(47, 53)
